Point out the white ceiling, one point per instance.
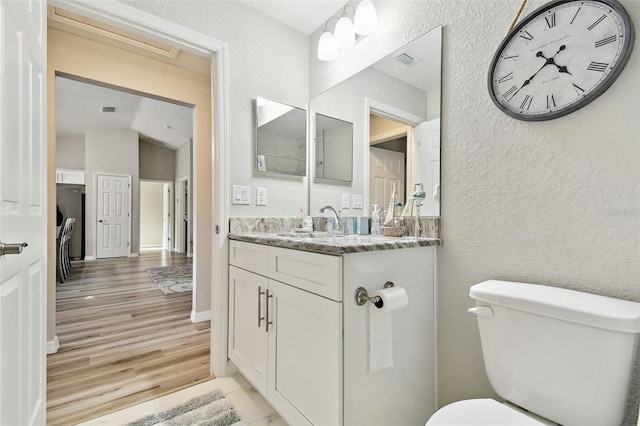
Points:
(79, 108)
(305, 16)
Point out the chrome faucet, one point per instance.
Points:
(336, 216)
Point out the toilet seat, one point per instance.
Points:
(480, 412)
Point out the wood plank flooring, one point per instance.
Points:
(122, 341)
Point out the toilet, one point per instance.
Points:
(556, 356)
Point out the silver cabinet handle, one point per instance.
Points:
(260, 317)
(11, 248)
(269, 296)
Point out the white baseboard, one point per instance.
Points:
(200, 316)
(53, 345)
(134, 255)
(89, 258)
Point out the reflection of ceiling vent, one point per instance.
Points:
(108, 109)
(150, 139)
(408, 59)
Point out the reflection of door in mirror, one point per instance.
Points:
(426, 138)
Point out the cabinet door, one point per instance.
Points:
(247, 334)
(305, 356)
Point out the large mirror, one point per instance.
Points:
(281, 136)
(334, 148)
(394, 106)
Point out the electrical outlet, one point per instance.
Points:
(357, 201)
(261, 196)
(241, 195)
(345, 201)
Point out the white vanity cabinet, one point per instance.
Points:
(297, 334)
(287, 340)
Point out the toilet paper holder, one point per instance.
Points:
(362, 296)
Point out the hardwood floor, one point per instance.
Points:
(122, 341)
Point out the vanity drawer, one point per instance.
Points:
(320, 274)
(248, 256)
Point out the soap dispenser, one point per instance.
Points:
(375, 221)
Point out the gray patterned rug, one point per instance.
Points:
(211, 409)
(172, 279)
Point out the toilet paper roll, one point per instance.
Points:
(391, 299)
(380, 330)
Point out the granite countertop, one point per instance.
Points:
(334, 244)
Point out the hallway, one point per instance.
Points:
(122, 341)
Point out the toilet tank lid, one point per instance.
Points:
(569, 305)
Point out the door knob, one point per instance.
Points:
(11, 248)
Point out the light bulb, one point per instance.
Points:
(327, 47)
(344, 34)
(365, 20)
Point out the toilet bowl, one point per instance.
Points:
(484, 412)
(556, 356)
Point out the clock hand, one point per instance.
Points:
(551, 60)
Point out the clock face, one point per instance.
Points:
(560, 58)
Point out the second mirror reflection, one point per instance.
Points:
(334, 148)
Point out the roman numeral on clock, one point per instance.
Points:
(551, 20)
(527, 36)
(526, 103)
(600, 19)
(574, 16)
(514, 57)
(551, 101)
(507, 95)
(597, 66)
(506, 78)
(605, 41)
(579, 90)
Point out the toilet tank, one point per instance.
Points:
(565, 355)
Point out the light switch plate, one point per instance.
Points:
(357, 201)
(261, 196)
(346, 201)
(241, 195)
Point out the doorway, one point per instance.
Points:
(129, 18)
(156, 226)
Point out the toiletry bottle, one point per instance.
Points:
(375, 221)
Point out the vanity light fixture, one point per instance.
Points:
(364, 22)
(327, 47)
(344, 33)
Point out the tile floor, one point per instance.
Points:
(249, 404)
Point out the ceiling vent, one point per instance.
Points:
(408, 59)
(108, 109)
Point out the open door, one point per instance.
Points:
(426, 142)
(23, 213)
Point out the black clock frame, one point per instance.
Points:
(627, 49)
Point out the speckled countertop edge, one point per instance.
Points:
(337, 246)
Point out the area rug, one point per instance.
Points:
(172, 279)
(211, 409)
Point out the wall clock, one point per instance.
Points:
(559, 58)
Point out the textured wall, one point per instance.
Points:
(554, 202)
(266, 59)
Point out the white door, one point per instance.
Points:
(385, 168)
(112, 235)
(23, 212)
(427, 140)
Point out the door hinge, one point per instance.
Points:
(217, 229)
